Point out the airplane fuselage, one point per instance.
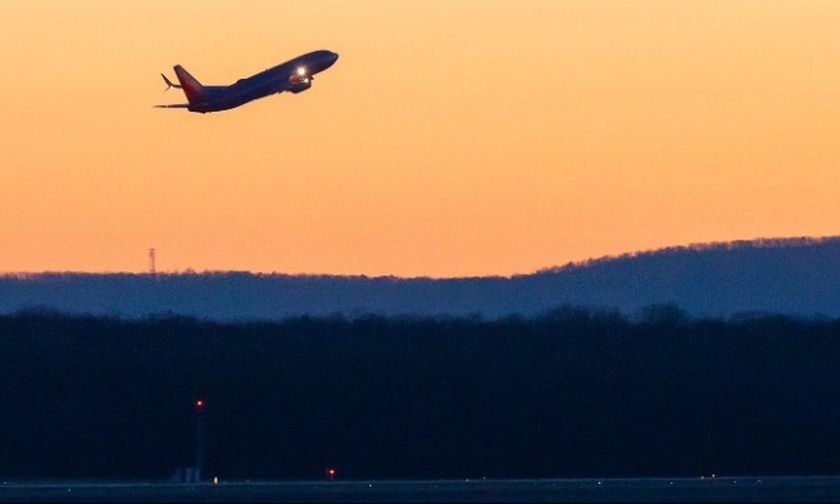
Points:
(294, 75)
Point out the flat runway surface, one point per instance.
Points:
(763, 489)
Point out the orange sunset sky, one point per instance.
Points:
(451, 138)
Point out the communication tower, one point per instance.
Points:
(152, 271)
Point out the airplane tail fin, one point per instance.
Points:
(192, 88)
(169, 83)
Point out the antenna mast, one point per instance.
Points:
(152, 271)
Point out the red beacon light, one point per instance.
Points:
(199, 403)
(331, 472)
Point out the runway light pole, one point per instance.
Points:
(199, 439)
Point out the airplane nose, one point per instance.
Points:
(333, 57)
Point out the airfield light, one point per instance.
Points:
(301, 71)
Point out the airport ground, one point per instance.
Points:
(706, 489)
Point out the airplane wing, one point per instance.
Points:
(173, 105)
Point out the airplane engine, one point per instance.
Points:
(301, 85)
(300, 81)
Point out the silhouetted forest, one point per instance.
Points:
(791, 276)
(572, 392)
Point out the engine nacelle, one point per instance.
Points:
(301, 85)
(300, 81)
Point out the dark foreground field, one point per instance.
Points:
(769, 489)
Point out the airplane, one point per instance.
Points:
(294, 75)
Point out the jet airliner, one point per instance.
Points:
(294, 75)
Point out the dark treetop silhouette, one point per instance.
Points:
(574, 392)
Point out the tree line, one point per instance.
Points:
(572, 392)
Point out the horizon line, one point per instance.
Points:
(759, 242)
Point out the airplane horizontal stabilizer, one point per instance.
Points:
(169, 83)
(173, 105)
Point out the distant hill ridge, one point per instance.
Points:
(799, 276)
(799, 241)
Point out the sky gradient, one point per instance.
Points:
(451, 138)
